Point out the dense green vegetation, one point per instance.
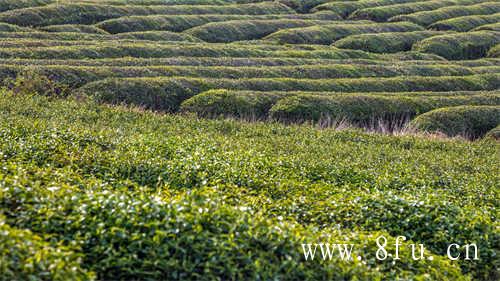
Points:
(456, 46)
(327, 34)
(210, 139)
(471, 121)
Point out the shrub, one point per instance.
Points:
(94, 13)
(367, 109)
(74, 28)
(361, 109)
(492, 27)
(391, 42)
(5, 27)
(494, 133)
(152, 50)
(29, 82)
(168, 93)
(327, 34)
(494, 52)
(469, 121)
(26, 256)
(178, 23)
(426, 18)
(239, 30)
(156, 36)
(386, 12)
(345, 8)
(463, 24)
(456, 46)
(6, 5)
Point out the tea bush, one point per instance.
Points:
(467, 45)
(391, 42)
(466, 23)
(345, 8)
(427, 18)
(75, 28)
(384, 13)
(473, 121)
(327, 34)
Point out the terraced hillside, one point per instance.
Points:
(160, 186)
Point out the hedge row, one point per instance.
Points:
(391, 42)
(37, 43)
(239, 30)
(327, 34)
(6, 5)
(5, 27)
(466, 23)
(171, 2)
(494, 52)
(458, 46)
(238, 62)
(345, 8)
(494, 133)
(74, 28)
(148, 50)
(469, 121)
(492, 27)
(427, 18)
(180, 23)
(94, 13)
(384, 13)
(360, 109)
(75, 76)
(167, 94)
(155, 36)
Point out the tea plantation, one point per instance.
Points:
(211, 139)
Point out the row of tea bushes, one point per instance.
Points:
(166, 2)
(427, 18)
(76, 76)
(74, 28)
(240, 62)
(458, 46)
(150, 50)
(494, 133)
(469, 121)
(166, 94)
(6, 5)
(239, 30)
(94, 13)
(178, 23)
(391, 42)
(89, 161)
(467, 23)
(492, 27)
(5, 27)
(327, 34)
(384, 13)
(494, 52)
(345, 8)
(359, 109)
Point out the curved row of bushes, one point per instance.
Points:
(427, 18)
(469, 121)
(384, 13)
(391, 42)
(494, 52)
(180, 23)
(5, 27)
(94, 13)
(75, 76)
(74, 28)
(6, 5)
(166, 94)
(466, 23)
(327, 34)
(148, 50)
(492, 27)
(494, 133)
(239, 30)
(459, 46)
(172, 2)
(345, 8)
(360, 109)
